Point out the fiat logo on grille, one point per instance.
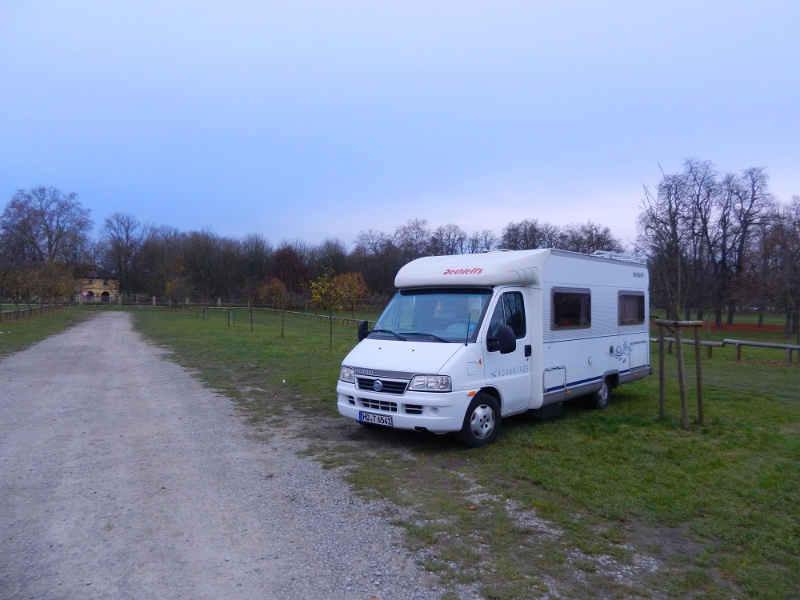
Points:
(377, 386)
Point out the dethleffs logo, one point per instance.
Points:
(475, 271)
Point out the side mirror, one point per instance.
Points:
(503, 340)
(363, 330)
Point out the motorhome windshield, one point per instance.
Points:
(433, 315)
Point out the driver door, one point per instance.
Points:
(510, 373)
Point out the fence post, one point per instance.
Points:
(699, 375)
(662, 411)
(205, 313)
(738, 352)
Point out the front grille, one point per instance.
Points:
(413, 409)
(378, 404)
(389, 386)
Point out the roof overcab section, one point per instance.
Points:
(488, 269)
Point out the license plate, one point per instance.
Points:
(366, 417)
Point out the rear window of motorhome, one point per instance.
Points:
(571, 308)
(631, 308)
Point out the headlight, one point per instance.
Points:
(430, 383)
(346, 374)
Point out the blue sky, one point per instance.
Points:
(322, 119)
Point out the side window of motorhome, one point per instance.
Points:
(571, 308)
(510, 310)
(631, 308)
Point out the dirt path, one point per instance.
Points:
(120, 476)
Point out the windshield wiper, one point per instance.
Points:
(434, 336)
(395, 334)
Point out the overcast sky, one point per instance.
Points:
(313, 120)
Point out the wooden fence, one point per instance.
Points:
(27, 312)
(206, 309)
(788, 348)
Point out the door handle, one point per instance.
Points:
(527, 350)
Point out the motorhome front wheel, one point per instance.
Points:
(482, 421)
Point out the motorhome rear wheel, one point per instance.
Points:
(602, 396)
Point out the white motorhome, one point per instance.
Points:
(473, 338)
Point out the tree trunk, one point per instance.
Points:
(787, 330)
(731, 313)
(718, 318)
(760, 317)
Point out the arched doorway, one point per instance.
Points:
(106, 297)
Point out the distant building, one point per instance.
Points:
(97, 287)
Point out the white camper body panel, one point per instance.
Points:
(553, 361)
(579, 359)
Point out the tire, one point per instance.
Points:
(481, 422)
(602, 397)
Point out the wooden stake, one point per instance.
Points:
(662, 411)
(681, 378)
(699, 374)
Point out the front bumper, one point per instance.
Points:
(436, 412)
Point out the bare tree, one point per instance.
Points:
(163, 262)
(412, 239)
(481, 241)
(44, 225)
(201, 259)
(786, 270)
(230, 268)
(377, 258)
(751, 200)
(587, 238)
(447, 240)
(290, 266)
(525, 235)
(123, 239)
(757, 284)
(664, 236)
(329, 257)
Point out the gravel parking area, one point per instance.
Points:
(122, 477)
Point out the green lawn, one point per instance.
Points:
(17, 334)
(579, 504)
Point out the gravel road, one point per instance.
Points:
(122, 477)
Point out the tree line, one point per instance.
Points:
(715, 242)
(720, 242)
(44, 231)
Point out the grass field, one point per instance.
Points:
(21, 333)
(615, 503)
